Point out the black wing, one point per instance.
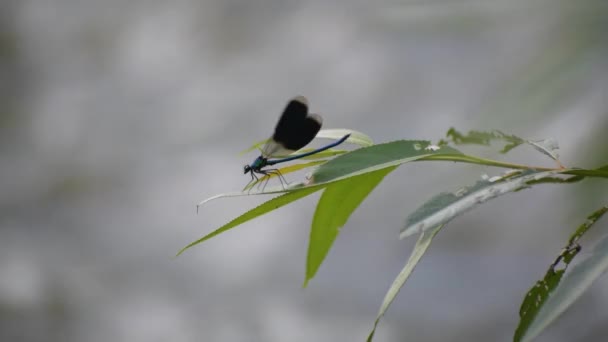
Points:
(296, 128)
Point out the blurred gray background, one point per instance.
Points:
(116, 118)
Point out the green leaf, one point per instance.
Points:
(483, 138)
(284, 170)
(576, 281)
(319, 155)
(557, 180)
(536, 298)
(262, 209)
(599, 172)
(591, 220)
(377, 157)
(257, 146)
(356, 137)
(444, 207)
(335, 206)
(423, 243)
(548, 147)
(361, 162)
(534, 315)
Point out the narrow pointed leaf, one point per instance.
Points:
(335, 206)
(377, 157)
(444, 207)
(262, 209)
(283, 171)
(423, 243)
(356, 137)
(269, 190)
(319, 155)
(548, 147)
(483, 138)
(256, 146)
(551, 296)
(584, 228)
(535, 299)
(599, 172)
(576, 281)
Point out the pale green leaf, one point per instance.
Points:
(549, 147)
(284, 170)
(257, 146)
(335, 206)
(319, 155)
(423, 243)
(356, 137)
(262, 209)
(444, 207)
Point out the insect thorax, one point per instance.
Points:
(258, 163)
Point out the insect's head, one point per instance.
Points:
(247, 168)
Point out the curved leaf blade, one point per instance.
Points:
(423, 243)
(532, 323)
(283, 171)
(356, 137)
(319, 155)
(446, 206)
(548, 147)
(599, 172)
(483, 138)
(377, 157)
(573, 285)
(262, 209)
(335, 206)
(256, 146)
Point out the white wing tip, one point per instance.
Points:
(301, 99)
(317, 118)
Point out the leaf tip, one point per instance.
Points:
(407, 232)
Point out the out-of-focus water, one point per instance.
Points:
(117, 118)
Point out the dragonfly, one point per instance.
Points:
(295, 129)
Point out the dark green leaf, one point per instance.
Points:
(377, 157)
(484, 138)
(534, 315)
(599, 172)
(591, 220)
(535, 299)
(576, 281)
